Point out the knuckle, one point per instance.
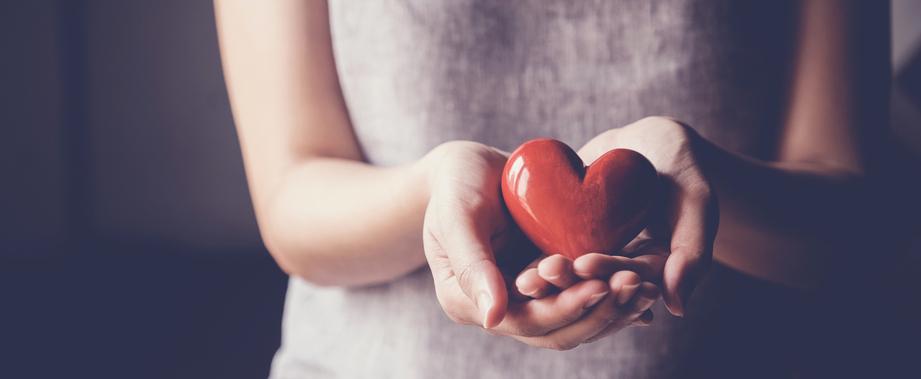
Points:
(665, 123)
(457, 147)
(469, 271)
(456, 154)
(691, 253)
(699, 190)
(659, 119)
(465, 199)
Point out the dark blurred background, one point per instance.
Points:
(128, 247)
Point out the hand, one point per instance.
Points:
(632, 279)
(685, 226)
(465, 225)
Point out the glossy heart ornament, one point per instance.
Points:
(567, 208)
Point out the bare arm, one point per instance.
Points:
(804, 216)
(794, 219)
(323, 213)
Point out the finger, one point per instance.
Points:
(649, 254)
(557, 270)
(638, 309)
(650, 267)
(645, 298)
(535, 262)
(642, 242)
(600, 266)
(474, 267)
(530, 281)
(624, 284)
(607, 315)
(541, 316)
(691, 248)
(531, 284)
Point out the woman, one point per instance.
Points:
(374, 134)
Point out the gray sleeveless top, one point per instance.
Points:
(416, 73)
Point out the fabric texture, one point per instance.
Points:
(416, 73)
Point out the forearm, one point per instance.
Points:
(323, 214)
(789, 223)
(343, 222)
(809, 216)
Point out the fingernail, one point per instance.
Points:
(522, 287)
(484, 303)
(678, 312)
(594, 299)
(676, 309)
(626, 293)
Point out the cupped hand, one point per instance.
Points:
(684, 225)
(633, 279)
(465, 227)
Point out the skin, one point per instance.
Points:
(306, 173)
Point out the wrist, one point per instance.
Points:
(425, 170)
(438, 161)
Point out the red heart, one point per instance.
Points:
(567, 208)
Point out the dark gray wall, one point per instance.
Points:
(116, 129)
(165, 164)
(33, 168)
(130, 142)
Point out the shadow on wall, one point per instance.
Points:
(162, 138)
(129, 246)
(122, 129)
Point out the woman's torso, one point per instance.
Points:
(416, 73)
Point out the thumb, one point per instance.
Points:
(682, 273)
(691, 249)
(477, 274)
